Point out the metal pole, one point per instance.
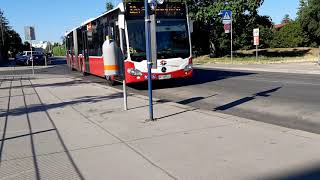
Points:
(319, 55)
(2, 34)
(148, 54)
(31, 57)
(125, 99)
(45, 56)
(257, 52)
(124, 85)
(45, 62)
(231, 39)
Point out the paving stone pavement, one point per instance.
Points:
(54, 128)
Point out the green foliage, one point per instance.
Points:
(109, 6)
(59, 50)
(14, 42)
(309, 19)
(245, 19)
(290, 36)
(286, 19)
(9, 39)
(266, 36)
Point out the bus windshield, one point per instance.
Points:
(172, 39)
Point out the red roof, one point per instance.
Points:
(279, 26)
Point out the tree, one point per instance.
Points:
(245, 16)
(290, 36)
(3, 29)
(266, 36)
(109, 6)
(14, 43)
(10, 40)
(286, 19)
(309, 19)
(59, 50)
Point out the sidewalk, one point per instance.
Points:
(60, 128)
(298, 68)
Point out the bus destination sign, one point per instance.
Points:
(171, 9)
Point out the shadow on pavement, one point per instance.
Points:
(312, 173)
(59, 84)
(200, 76)
(194, 99)
(246, 99)
(39, 108)
(44, 166)
(58, 61)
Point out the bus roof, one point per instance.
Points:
(120, 6)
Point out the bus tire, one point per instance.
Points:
(110, 81)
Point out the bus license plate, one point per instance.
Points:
(161, 77)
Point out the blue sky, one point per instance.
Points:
(52, 18)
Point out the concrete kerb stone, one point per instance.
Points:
(315, 68)
(20, 68)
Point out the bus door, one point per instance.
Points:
(118, 37)
(85, 50)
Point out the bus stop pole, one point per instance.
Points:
(148, 54)
(31, 57)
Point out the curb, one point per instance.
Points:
(312, 72)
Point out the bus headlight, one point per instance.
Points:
(188, 67)
(134, 72)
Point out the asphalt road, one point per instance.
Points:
(289, 100)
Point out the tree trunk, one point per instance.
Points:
(212, 48)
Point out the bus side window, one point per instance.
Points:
(117, 35)
(111, 33)
(105, 31)
(124, 44)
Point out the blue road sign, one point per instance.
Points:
(226, 14)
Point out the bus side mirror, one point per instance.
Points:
(121, 21)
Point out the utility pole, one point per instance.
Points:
(2, 34)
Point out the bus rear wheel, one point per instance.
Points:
(84, 73)
(110, 81)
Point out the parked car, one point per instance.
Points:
(24, 58)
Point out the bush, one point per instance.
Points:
(290, 36)
(59, 51)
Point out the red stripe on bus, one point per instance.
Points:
(96, 65)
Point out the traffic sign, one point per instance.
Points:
(29, 33)
(227, 21)
(256, 32)
(226, 15)
(256, 38)
(227, 28)
(256, 41)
